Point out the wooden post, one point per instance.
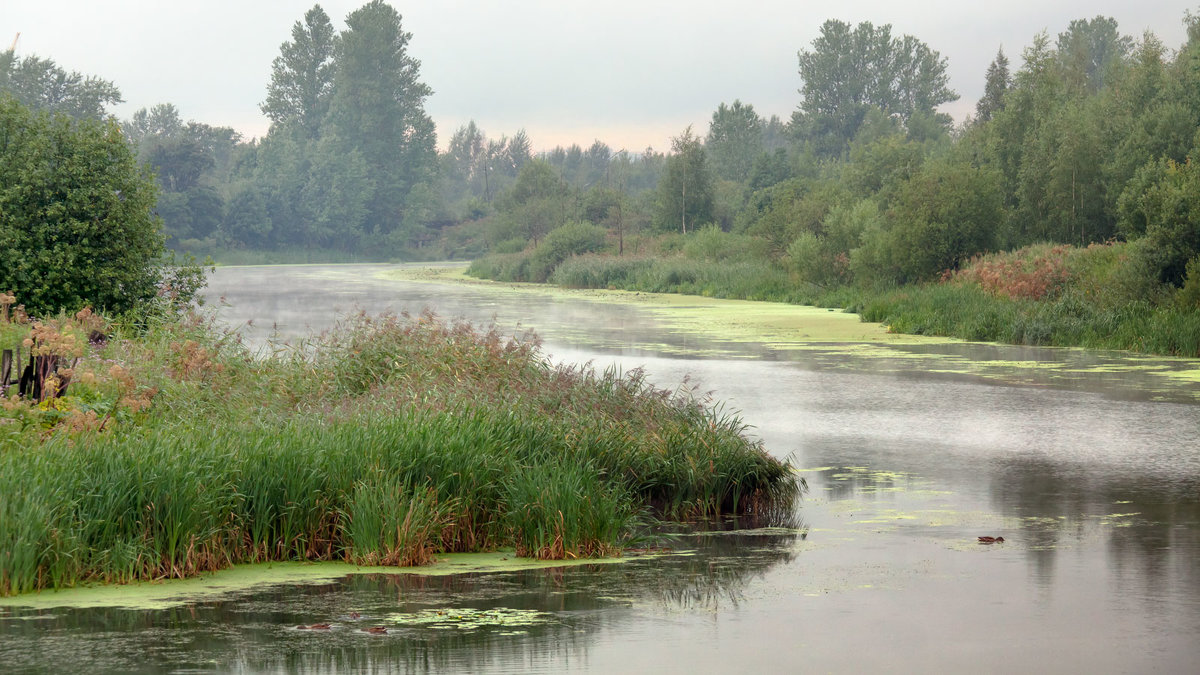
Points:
(25, 388)
(6, 362)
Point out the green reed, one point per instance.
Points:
(389, 441)
(393, 522)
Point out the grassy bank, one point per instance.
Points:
(173, 451)
(730, 280)
(1093, 297)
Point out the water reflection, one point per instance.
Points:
(513, 620)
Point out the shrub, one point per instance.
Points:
(1188, 297)
(562, 243)
(712, 245)
(1028, 273)
(77, 226)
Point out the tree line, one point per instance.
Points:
(1087, 141)
(1090, 140)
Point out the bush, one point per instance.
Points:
(750, 280)
(1161, 209)
(562, 243)
(713, 245)
(1188, 297)
(501, 267)
(1031, 273)
(77, 227)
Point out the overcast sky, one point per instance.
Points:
(632, 73)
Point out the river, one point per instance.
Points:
(1086, 463)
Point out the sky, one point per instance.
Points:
(631, 73)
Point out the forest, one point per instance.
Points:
(1069, 193)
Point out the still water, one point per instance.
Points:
(1088, 465)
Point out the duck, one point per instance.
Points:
(991, 540)
(375, 630)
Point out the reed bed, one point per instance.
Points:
(174, 451)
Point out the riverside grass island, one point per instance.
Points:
(169, 449)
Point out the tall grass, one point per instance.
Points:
(392, 522)
(738, 279)
(385, 442)
(1043, 295)
(557, 511)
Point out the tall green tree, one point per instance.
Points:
(1147, 117)
(942, 216)
(161, 121)
(42, 85)
(596, 159)
(378, 109)
(997, 81)
(192, 163)
(467, 165)
(685, 192)
(1089, 51)
(247, 220)
(734, 141)
(850, 70)
(538, 201)
(335, 195)
(302, 76)
(76, 225)
(520, 150)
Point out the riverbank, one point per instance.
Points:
(732, 319)
(826, 335)
(1096, 297)
(174, 451)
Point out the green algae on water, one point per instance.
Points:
(468, 619)
(830, 336)
(212, 586)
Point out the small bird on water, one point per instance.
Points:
(991, 540)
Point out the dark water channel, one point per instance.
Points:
(1087, 464)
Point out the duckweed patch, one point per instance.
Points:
(756, 532)
(239, 578)
(830, 338)
(468, 619)
(731, 320)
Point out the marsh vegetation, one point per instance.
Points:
(175, 450)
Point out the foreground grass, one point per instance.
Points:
(174, 451)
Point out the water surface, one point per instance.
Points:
(1085, 462)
